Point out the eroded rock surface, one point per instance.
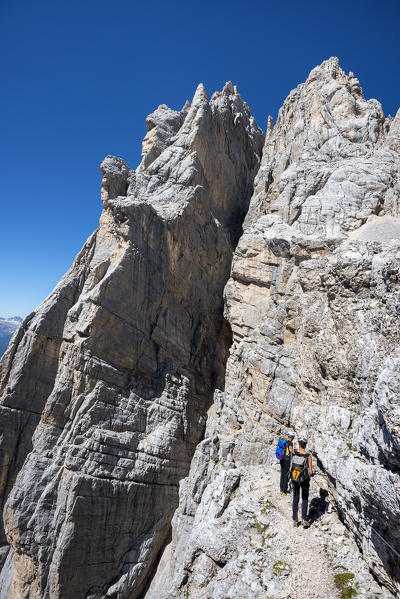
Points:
(313, 303)
(105, 388)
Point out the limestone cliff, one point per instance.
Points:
(129, 382)
(106, 386)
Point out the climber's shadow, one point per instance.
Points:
(318, 506)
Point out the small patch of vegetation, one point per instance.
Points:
(267, 506)
(280, 567)
(260, 527)
(342, 582)
(351, 447)
(349, 593)
(209, 579)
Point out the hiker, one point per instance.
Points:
(300, 473)
(284, 452)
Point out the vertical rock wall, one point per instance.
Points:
(104, 389)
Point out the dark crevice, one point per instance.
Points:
(155, 565)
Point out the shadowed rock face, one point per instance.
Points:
(313, 304)
(105, 387)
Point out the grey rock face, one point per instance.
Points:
(333, 312)
(105, 387)
(330, 162)
(313, 303)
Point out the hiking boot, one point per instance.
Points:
(306, 524)
(295, 523)
(283, 493)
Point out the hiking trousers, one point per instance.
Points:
(285, 465)
(305, 489)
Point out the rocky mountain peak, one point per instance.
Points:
(329, 68)
(327, 165)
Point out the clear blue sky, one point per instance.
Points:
(79, 77)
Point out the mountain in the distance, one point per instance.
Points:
(7, 328)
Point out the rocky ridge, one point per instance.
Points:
(107, 388)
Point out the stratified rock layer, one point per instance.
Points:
(313, 303)
(105, 387)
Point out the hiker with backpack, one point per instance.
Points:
(284, 452)
(300, 473)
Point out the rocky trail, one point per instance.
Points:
(309, 571)
(322, 561)
(251, 548)
(244, 545)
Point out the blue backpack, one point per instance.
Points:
(281, 450)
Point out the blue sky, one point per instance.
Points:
(79, 77)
